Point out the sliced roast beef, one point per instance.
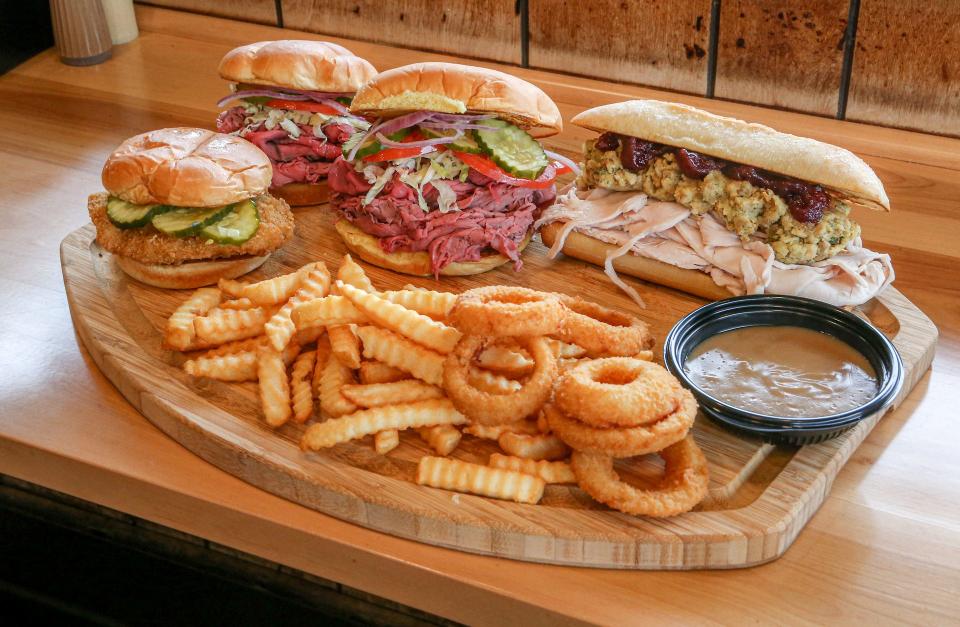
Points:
(231, 120)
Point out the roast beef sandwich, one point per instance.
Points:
(185, 207)
(716, 206)
(450, 177)
(291, 99)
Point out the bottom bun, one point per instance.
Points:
(367, 247)
(189, 274)
(302, 194)
(594, 251)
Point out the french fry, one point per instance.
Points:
(327, 311)
(280, 329)
(410, 287)
(550, 472)
(345, 344)
(399, 352)
(386, 441)
(308, 336)
(424, 301)
(335, 376)
(507, 361)
(453, 474)
(369, 421)
(491, 383)
(542, 425)
(536, 447)
(323, 356)
(565, 350)
(442, 438)
(645, 355)
(240, 366)
(380, 394)
(280, 288)
(419, 328)
(301, 396)
(274, 386)
(237, 303)
(231, 324)
(379, 372)
(232, 287)
(493, 432)
(237, 346)
(181, 333)
(351, 273)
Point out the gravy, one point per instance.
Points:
(785, 371)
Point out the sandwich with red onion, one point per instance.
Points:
(450, 177)
(291, 99)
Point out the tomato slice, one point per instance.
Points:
(391, 154)
(488, 168)
(302, 105)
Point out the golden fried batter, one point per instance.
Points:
(148, 245)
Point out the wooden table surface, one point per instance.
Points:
(885, 547)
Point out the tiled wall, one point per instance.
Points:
(888, 62)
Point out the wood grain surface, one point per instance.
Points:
(754, 508)
(782, 54)
(906, 71)
(485, 29)
(883, 548)
(645, 41)
(257, 11)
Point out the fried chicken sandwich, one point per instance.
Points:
(185, 207)
(290, 98)
(716, 207)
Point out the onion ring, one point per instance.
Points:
(603, 332)
(492, 409)
(506, 311)
(684, 483)
(617, 391)
(624, 441)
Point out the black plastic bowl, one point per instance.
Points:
(753, 311)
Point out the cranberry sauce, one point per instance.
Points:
(806, 201)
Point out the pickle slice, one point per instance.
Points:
(239, 225)
(185, 221)
(465, 143)
(127, 215)
(513, 149)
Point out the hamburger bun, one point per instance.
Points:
(190, 274)
(186, 167)
(303, 194)
(594, 251)
(367, 247)
(751, 144)
(454, 88)
(297, 64)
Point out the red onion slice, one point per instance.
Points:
(435, 141)
(564, 160)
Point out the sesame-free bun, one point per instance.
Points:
(367, 247)
(190, 274)
(454, 88)
(186, 167)
(297, 64)
(752, 144)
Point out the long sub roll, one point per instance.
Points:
(717, 207)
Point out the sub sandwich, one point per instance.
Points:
(717, 206)
(450, 177)
(291, 99)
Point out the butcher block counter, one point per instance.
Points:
(884, 547)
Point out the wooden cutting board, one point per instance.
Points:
(760, 495)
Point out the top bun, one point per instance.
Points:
(453, 88)
(297, 64)
(752, 144)
(186, 167)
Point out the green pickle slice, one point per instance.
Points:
(126, 215)
(186, 221)
(239, 225)
(513, 149)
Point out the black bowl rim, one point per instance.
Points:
(891, 376)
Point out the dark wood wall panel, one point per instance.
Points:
(650, 42)
(259, 11)
(486, 29)
(783, 54)
(906, 65)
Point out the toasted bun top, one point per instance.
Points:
(453, 88)
(735, 140)
(297, 64)
(186, 167)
